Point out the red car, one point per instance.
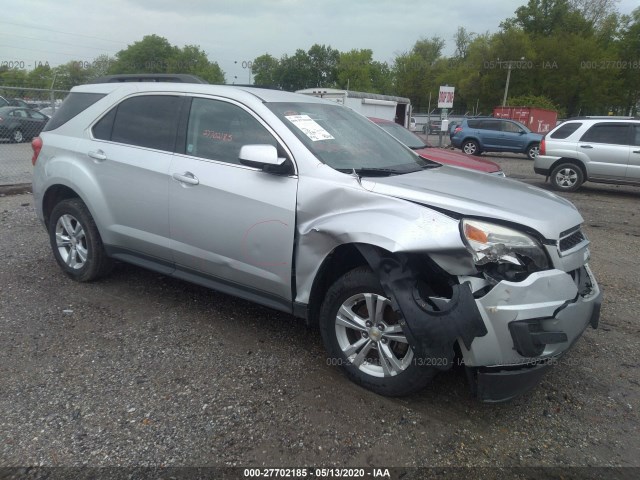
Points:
(439, 155)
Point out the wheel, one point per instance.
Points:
(470, 147)
(76, 243)
(362, 334)
(567, 177)
(17, 137)
(533, 150)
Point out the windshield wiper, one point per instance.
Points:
(420, 147)
(371, 172)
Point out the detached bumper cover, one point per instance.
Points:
(531, 324)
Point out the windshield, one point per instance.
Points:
(402, 134)
(347, 141)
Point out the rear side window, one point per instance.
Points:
(72, 106)
(149, 121)
(611, 133)
(566, 130)
(510, 127)
(491, 125)
(636, 135)
(473, 123)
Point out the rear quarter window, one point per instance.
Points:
(473, 123)
(74, 104)
(566, 130)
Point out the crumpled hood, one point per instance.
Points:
(482, 195)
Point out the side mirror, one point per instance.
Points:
(260, 156)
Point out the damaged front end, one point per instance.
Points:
(512, 299)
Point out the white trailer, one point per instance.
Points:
(388, 107)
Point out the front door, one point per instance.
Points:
(231, 224)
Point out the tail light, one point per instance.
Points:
(458, 129)
(543, 147)
(36, 145)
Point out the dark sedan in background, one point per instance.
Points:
(19, 124)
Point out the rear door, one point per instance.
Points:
(491, 134)
(130, 153)
(606, 145)
(231, 225)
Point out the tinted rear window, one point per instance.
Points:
(611, 133)
(72, 106)
(145, 121)
(565, 130)
(473, 123)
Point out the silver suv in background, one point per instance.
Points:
(301, 205)
(594, 149)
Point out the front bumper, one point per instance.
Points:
(529, 325)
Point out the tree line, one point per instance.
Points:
(575, 56)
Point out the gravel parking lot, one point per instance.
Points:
(144, 370)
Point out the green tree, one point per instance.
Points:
(152, 54)
(354, 70)
(323, 62)
(629, 58)
(71, 74)
(266, 71)
(191, 59)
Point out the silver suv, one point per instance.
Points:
(301, 205)
(603, 150)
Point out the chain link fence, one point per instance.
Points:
(23, 114)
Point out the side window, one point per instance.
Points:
(217, 130)
(473, 123)
(566, 130)
(611, 133)
(37, 115)
(147, 121)
(510, 127)
(491, 125)
(72, 106)
(19, 114)
(636, 136)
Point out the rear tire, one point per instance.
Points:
(362, 335)
(567, 177)
(471, 147)
(76, 242)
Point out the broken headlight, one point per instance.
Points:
(502, 252)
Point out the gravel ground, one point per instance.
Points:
(144, 370)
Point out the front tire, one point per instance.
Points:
(567, 177)
(76, 242)
(533, 151)
(471, 147)
(362, 334)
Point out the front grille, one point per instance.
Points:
(572, 240)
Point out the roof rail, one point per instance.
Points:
(602, 117)
(150, 77)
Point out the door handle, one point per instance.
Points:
(98, 155)
(586, 146)
(186, 177)
(636, 151)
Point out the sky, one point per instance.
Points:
(233, 33)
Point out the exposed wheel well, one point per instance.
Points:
(342, 260)
(433, 280)
(54, 195)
